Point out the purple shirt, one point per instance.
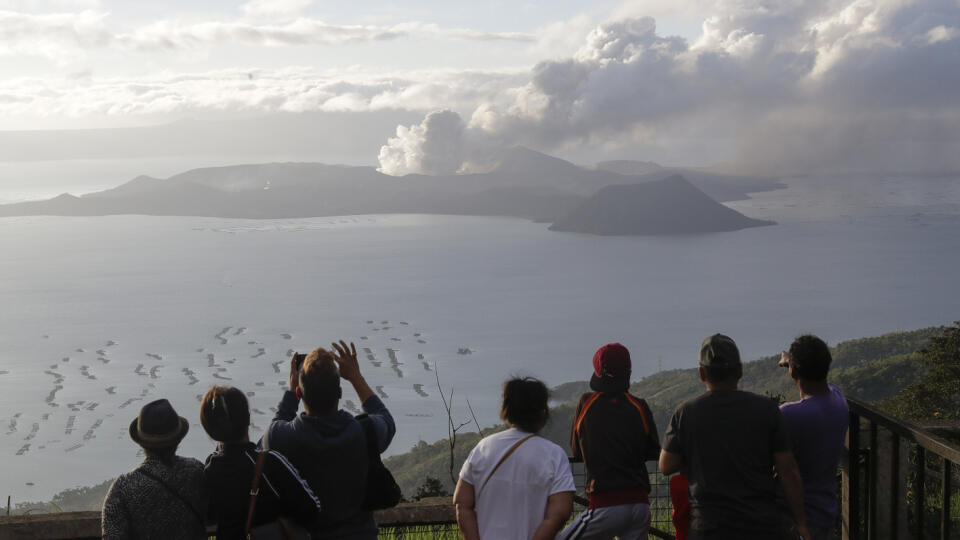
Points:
(817, 426)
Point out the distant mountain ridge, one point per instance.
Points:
(526, 184)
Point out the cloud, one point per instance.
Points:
(257, 9)
(435, 146)
(62, 36)
(293, 90)
(58, 35)
(792, 85)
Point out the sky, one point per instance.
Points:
(440, 87)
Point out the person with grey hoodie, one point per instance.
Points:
(327, 445)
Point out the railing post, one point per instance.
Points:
(920, 491)
(945, 508)
(894, 485)
(852, 510)
(871, 494)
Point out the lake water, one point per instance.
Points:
(101, 315)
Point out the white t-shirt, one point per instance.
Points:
(514, 501)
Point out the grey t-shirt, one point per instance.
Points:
(727, 439)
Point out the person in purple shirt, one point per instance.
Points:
(817, 425)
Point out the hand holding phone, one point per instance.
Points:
(296, 362)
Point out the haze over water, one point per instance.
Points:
(168, 292)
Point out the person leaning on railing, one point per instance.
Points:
(516, 485)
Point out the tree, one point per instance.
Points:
(937, 393)
(431, 487)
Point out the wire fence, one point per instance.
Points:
(660, 511)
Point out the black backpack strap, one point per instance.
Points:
(174, 492)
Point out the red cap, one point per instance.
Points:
(612, 360)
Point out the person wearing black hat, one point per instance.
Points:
(729, 442)
(162, 498)
(615, 435)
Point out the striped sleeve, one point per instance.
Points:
(295, 495)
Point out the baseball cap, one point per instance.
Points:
(611, 369)
(719, 350)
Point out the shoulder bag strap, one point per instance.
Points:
(173, 492)
(504, 458)
(254, 491)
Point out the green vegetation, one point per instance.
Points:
(69, 500)
(937, 394)
(431, 487)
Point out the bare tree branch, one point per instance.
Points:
(474, 416)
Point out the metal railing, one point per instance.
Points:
(899, 480)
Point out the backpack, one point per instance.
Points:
(382, 490)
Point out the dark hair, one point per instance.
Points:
(722, 374)
(525, 404)
(810, 358)
(225, 414)
(320, 381)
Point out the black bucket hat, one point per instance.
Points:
(158, 425)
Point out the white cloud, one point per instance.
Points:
(258, 9)
(65, 35)
(237, 90)
(58, 35)
(942, 33)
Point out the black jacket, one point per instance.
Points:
(228, 476)
(615, 437)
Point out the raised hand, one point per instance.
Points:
(346, 358)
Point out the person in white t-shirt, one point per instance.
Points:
(516, 485)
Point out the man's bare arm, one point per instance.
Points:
(670, 463)
(792, 486)
(464, 499)
(559, 508)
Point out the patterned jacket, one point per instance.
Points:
(138, 507)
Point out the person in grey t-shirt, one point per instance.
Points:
(729, 442)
